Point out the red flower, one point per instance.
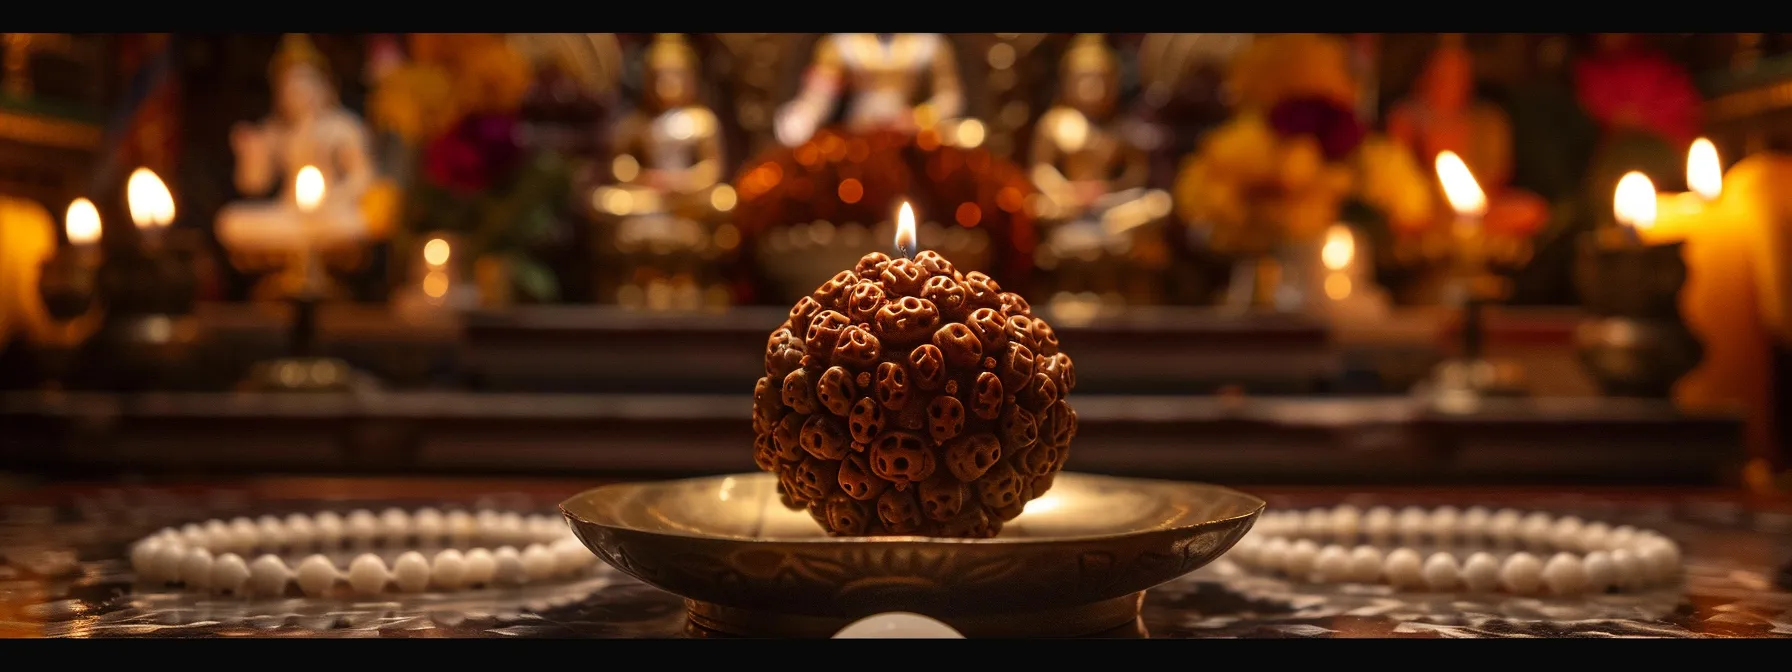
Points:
(1641, 90)
(1334, 126)
(470, 156)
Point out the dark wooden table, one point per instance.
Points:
(63, 573)
(1384, 440)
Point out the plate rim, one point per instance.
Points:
(1245, 518)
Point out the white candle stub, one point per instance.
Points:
(898, 625)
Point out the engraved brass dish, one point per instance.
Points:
(1077, 561)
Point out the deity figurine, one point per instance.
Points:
(668, 153)
(1092, 177)
(885, 71)
(309, 127)
(1442, 115)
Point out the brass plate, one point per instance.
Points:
(1075, 562)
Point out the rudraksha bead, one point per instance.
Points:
(906, 398)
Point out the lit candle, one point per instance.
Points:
(1720, 299)
(1337, 255)
(436, 253)
(906, 245)
(1464, 194)
(82, 223)
(150, 203)
(308, 192)
(1634, 206)
(308, 189)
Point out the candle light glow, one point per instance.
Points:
(308, 188)
(1464, 194)
(1634, 201)
(82, 222)
(151, 204)
(1339, 249)
(1704, 173)
(905, 231)
(436, 252)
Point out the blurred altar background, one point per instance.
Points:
(529, 253)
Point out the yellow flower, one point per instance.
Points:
(449, 49)
(1300, 161)
(380, 206)
(1244, 146)
(493, 78)
(415, 101)
(1277, 67)
(1393, 183)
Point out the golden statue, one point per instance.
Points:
(309, 127)
(669, 152)
(1442, 115)
(884, 71)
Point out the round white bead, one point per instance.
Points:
(430, 525)
(1522, 573)
(1441, 572)
(1404, 568)
(1274, 554)
(362, 528)
(538, 562)
(411, 572)
(1414, 524)
(166, 568)
(1474, 523)
(1502, 527)
(460, 526)
(143, 557)
(193, 535)
(367, 574)
(300, 531)
(1332, 565)
(508, 566)
(1594, 535)
(1365, 564)
(1565, 575)
(1481, 573)
(1444, 522)
(449, 570)
(268, 576)
(229, 574)
(1657, 563)
(1620, 537)
(1627, 571)
(490, 526)
(316, 575)
(1378, 523)
(196, 569)
(1537, 531)
(481, 567)
(1244, 552)
(898, 625)
(513, 528)
(329, 529)
(270, 533)
(1566, 533)
(245, 535)
(570, 555)
(395, 523)
(1600, 573)
(1347, 523)
(1316, 524)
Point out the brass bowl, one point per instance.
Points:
(1077, 561)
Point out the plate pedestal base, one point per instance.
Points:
(1113, 617)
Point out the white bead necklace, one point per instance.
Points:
(208, 557)
(1581, 557)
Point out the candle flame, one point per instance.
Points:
(1339, 249)
(1634, 201)
(82, 222)
(1459, 185)
(148, 198)
(435, 252)
(1704, 173)
(308, 188)
(905, 230)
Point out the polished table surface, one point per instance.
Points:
(62, 572)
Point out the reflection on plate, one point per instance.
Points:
(1077, 561)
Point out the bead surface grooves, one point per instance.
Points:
(1474, 551)
(209, 556)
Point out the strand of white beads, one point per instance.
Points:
(209, 556)
(1506, 550)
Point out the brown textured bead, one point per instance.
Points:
(832, 294)
(907, 320)
(903, 277)
(835, 390)
(866, 420)
(906, 398)
(945, 418)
